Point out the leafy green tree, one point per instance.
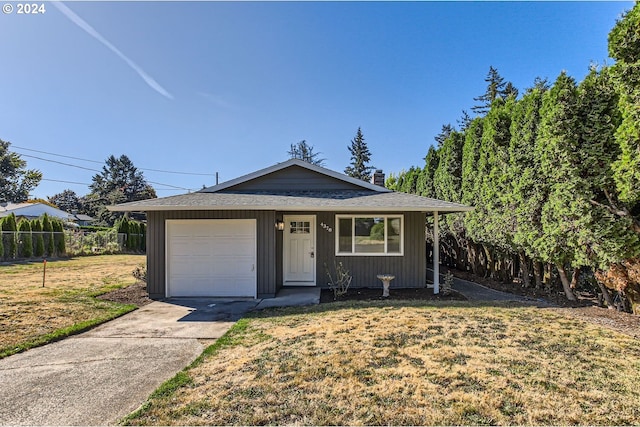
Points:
(25, 247)
(16, 182)
(9, 229)
(304, 152)
(119, 182)
(360, 158)
(38, 237)
(68, 201)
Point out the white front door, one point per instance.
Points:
(299, 250)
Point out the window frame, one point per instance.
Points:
(353, 217)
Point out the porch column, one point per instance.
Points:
(436, 254)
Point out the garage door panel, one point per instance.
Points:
(211, 258)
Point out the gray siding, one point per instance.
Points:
(410, 269)
(293, 178)
(265, 240)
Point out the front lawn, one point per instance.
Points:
(32, 315)
(383, 363)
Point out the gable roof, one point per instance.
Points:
(33, 210)
(356, 196)
(288, 165)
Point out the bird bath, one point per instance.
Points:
(386, 280)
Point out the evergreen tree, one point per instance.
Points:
(9, 229)
(624, 46)
(25, 239)
(38, 238)
(495, 89)
(360, 158)
(68, 201)
(58, 237)
(444, 134)
(424, 185)
(304, 151)
(47, 229)
(120, 181)
(558, 148)
(526, 192)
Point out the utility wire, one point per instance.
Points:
(95, 170)
(84, 183)
(95, 161)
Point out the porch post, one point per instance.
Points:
(436, 254)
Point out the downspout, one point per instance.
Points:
(436, 254)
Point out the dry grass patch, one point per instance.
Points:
(31, 314)
(406, 364)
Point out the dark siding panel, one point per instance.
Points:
(408, 269)
(265, 240)
(294, 178)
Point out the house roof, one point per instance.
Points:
(365, 197)
(33, 210)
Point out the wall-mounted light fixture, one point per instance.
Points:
(279, 225)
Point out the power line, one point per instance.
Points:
(84, 183)
(95, 170)
(95, 161)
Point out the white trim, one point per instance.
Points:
(353, 240)
(294, 162)
(313, 233)
(436, 254)
(168, 222)
(306, 208)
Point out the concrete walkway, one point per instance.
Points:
(102, 375)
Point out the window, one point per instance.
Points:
(369, 235)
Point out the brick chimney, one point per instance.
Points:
(378, 178)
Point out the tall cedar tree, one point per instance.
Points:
(525, 190)
(558, 148)
(425, 186)
(38, 238)
(9, 228)
(25, 247)
(16, 182)
(360, 157)
(47, 229)
(305, 152)
(624, 46)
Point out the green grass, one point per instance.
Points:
(406, 364)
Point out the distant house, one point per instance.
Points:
(36, 210)
(280, 226)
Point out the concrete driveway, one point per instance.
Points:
(100, 376)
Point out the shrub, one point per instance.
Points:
(38, 238)
(9, 236)
(140, 273)
(58, 237)
(25, 239)
(47, 228)
(340, 280)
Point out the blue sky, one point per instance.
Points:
(206, 87)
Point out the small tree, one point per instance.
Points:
(339, 280)
(9, 229)
(38, 238)
(25, 240)
(122, 226)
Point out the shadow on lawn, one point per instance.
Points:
(385, 304)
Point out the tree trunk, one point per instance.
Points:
(524, 269)
(606, 295)
(566, 285)
(537, 273)
(575, 277)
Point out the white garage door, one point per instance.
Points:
(211, 257)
